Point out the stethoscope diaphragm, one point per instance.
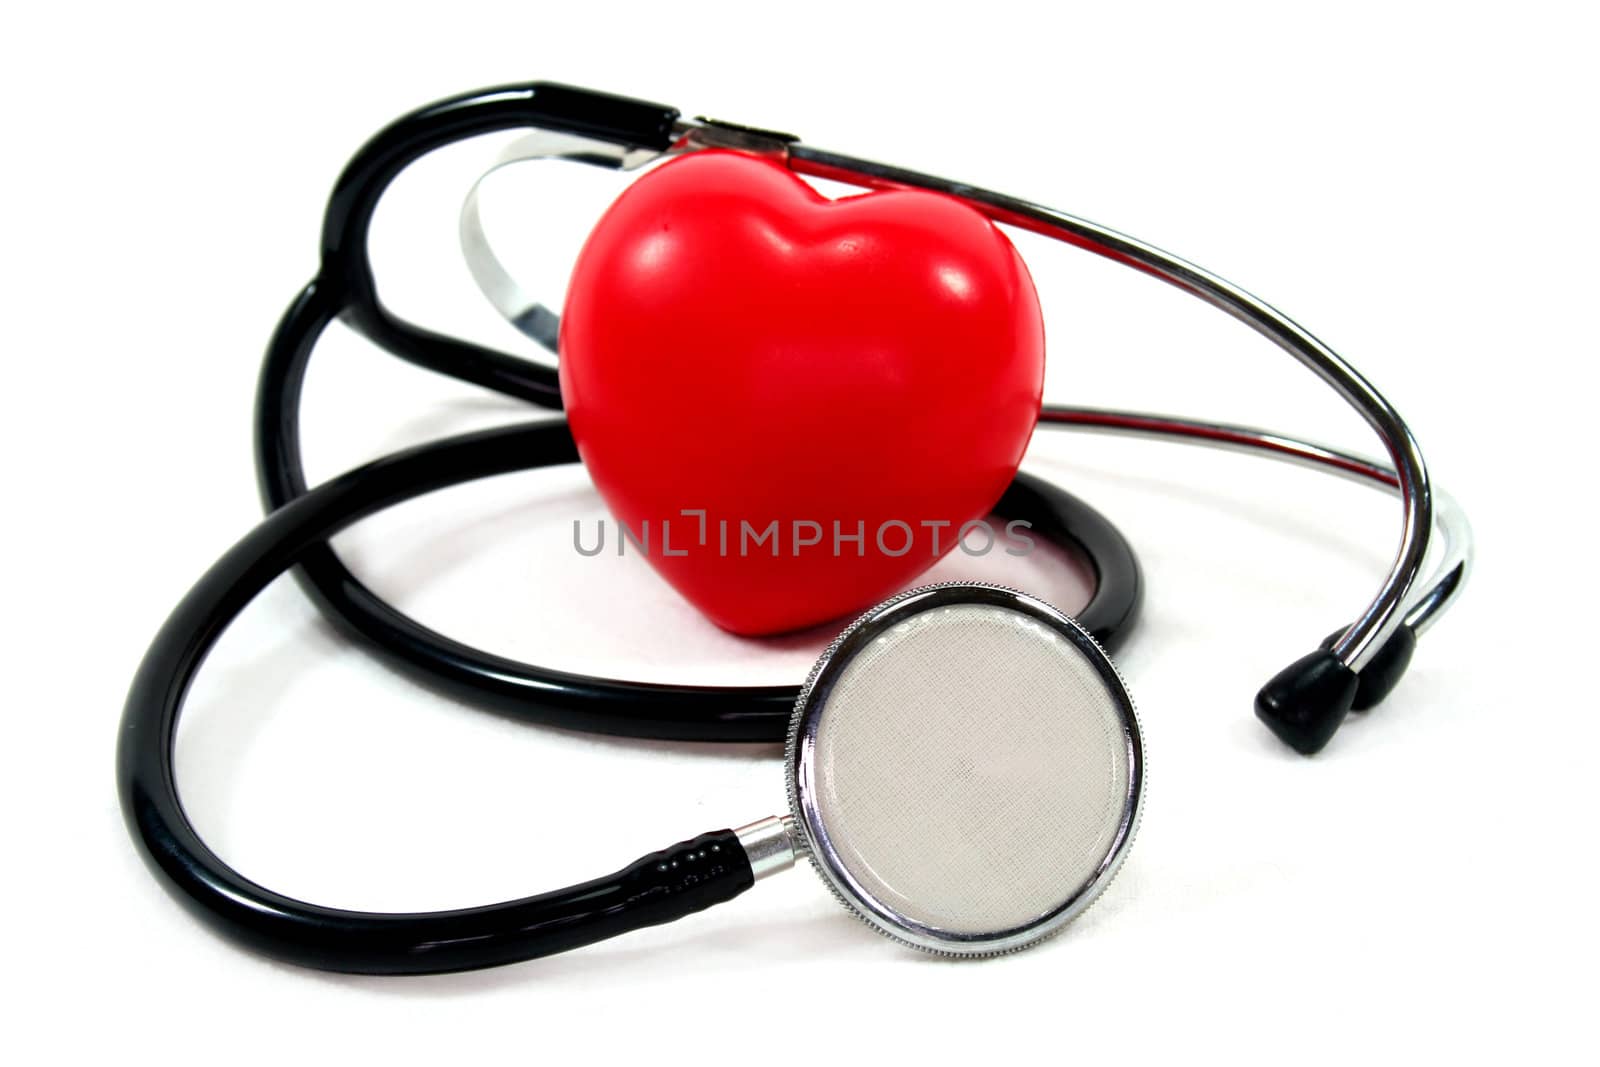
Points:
(965, 770)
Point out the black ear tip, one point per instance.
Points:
(1386, 668)
(1306, 701)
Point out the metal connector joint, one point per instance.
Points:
(714, 133)
(769, 843)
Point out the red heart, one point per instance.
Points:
(737, 343)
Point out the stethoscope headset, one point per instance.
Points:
(920, 848)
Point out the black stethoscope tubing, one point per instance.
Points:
(656, 888)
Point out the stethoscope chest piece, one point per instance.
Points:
(965, 769)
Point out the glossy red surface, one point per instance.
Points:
(735, 342)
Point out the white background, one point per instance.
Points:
(1415, 183)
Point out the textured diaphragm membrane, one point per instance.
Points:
(966, 764)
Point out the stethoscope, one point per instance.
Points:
(958, 841)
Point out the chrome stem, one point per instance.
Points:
(770, 844)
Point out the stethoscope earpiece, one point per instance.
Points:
(1306, 702)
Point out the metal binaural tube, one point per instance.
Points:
(1453, 550)
(1385, 613)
